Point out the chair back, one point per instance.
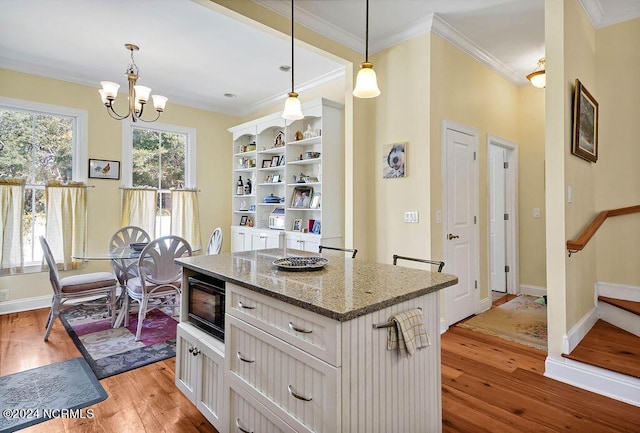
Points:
(413, 259)
(215, 242)
(353, 251)
(127, 235)
(125, 269)
(54, 277)
(156, 262)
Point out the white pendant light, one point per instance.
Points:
(366, 81)
(292, 107)
(538, 77)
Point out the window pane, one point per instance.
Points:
(146, 159)
(53, 140)
(173, 161)
(15, 144)
(163, 214)
(34, 224)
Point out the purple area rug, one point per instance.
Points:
(110, 351)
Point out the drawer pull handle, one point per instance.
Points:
(298, 396)
(295, 328)
(243, 359)
(246, 307)
(242, 429)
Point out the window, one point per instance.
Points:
(40, 142)
(160, 157)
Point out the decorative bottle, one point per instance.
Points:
(240, 186)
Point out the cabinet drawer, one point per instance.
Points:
(296, 386)
(310, 332)
(247, 415)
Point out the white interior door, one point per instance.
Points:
(460, 243)
(497, 223)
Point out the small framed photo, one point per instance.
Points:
(268, 179)
(275, 161)
(297, 225)
(104, 169)
(585, 124)
(276, 178)
(301, 197)
(243, 220)
(266, 163)
(316, 227)
(282, 160)
(315, 201)
(394, 160)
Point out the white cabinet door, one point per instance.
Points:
(186, 363)
(303, 242)
(210, 381)
(263, 239)
(241, 239)
(200, 372)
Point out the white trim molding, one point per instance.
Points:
(618, 291)
(575, 335)
(25, 304)
(485, 304)
(604, 382)
(532, 290)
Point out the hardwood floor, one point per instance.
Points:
(141, 400)
(610, 347)
(488, 385)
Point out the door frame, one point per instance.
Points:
(511, 207)
(446, 126)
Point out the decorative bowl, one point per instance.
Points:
(301, 263)
(138, 246)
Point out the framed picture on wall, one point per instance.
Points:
(585, 124)
(394, 160)
(104, 169)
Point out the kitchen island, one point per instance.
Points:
(301, 352)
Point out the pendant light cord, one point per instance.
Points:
(366, 38)
(292, 43)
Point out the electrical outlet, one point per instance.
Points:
(438, 217)
(536, 212)
(4, 295)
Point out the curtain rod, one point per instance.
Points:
(158, 189)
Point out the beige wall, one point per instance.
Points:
(105, 142)
(531, 164)
(618, 177)
(401, 114)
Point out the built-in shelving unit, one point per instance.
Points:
(301, 160)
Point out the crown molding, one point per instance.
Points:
(417, 28)
(447, 32)
(594, 11)
(327, 78)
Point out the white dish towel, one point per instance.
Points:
(408, 333)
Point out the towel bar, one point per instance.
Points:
(388, 324)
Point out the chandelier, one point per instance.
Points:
(138, 95)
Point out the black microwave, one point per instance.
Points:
(206, 297)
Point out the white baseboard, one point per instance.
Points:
(25, 304)
(443, 326)
(618, 291)
(579, 330)
(533, 290)
(604, 382)
(623, 319)
(485, 304)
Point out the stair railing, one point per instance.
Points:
(573, 246)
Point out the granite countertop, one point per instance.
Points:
(343, 289)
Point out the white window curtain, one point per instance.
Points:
(185, 218)
(139, 208)
(66, 230)
(11, 209)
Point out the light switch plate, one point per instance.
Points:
(411, 217)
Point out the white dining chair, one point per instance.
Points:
(215, 242)
(160, 278)
(91, 288)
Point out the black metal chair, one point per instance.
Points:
(413, 259)
(347, 250)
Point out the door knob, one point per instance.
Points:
(452, 236)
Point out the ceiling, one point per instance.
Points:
(194, 55)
